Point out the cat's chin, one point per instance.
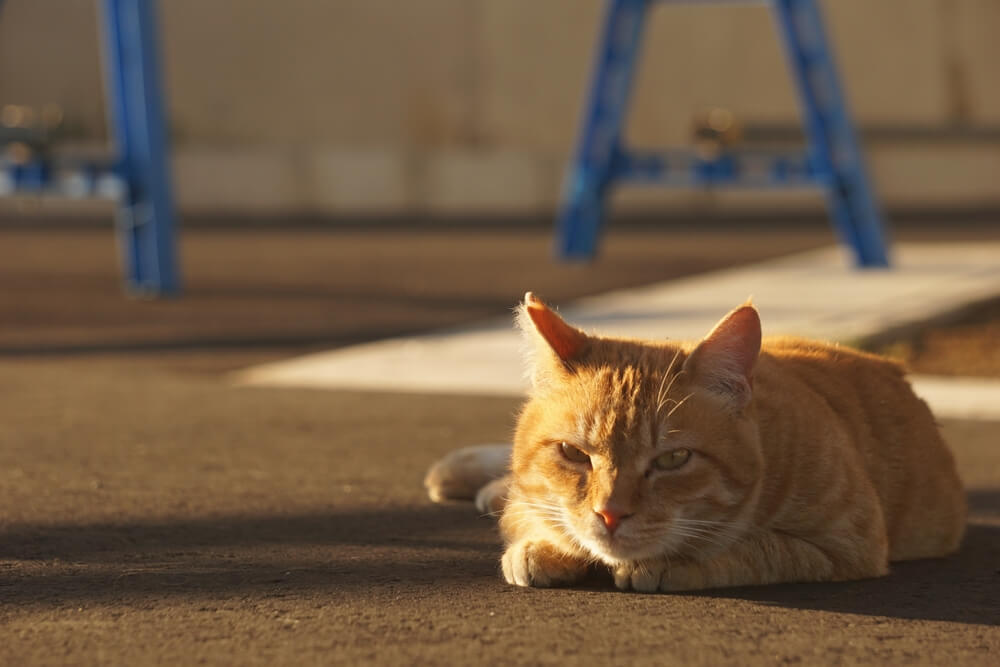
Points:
(617, 551)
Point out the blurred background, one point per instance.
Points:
(469, 108)
(349, 170)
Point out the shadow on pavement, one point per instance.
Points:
(963, 588)
(435, 527)
(984, 502)
(410, 548)
(328, 554)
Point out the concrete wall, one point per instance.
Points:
(465, 106)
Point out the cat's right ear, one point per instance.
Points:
(554, 345)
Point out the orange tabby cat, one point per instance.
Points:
(725, 463)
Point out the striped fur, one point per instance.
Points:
(808, 462)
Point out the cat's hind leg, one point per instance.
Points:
(469, 473)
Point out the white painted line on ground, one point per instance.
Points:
(959, 397)
(815, 294)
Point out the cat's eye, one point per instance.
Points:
(574, 454)
(672, 460)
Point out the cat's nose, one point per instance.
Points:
(612, 518)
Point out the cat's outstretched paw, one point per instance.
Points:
(538, 564)
(653, 576)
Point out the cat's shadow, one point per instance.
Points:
(962, 588)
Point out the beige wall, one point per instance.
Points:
(472, 105)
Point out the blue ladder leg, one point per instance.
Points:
(832, 139)
(137, 119)
(582, 211)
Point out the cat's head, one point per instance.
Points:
(632, 449)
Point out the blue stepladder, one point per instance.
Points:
(138, 173)
(833, 160)
(138, 123)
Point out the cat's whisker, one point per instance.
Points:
(544, 507)
(533, 508)
(718, 533)
(660, 404)
(670, 384)
(704, 526)
(662, 393)
(670, 367)
(529, 522)
(550, 517)
(663, 380)
(707, 522)
(692, 530)
(723, 535)
(551, 513)
(722, 531)
(661, 396)
(691, 544)
(726, 529)
(697, 529)
(666, 401)
(679, 404)
(546, 504)
(703, 537)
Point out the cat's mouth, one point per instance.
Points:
(621, 546)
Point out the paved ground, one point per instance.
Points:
(966, 346)
(150, 512)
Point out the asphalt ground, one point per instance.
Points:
(965, 344)
(152, 513)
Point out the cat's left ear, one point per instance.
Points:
(554, 344)
(723, 362)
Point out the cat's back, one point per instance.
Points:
(846, 378)
(869, 393)
(868, 399)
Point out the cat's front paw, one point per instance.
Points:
(641, 576)
(538, 564)
(652, 576)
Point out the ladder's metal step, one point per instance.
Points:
(734, 168)
(833, 160)
(67, 179)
